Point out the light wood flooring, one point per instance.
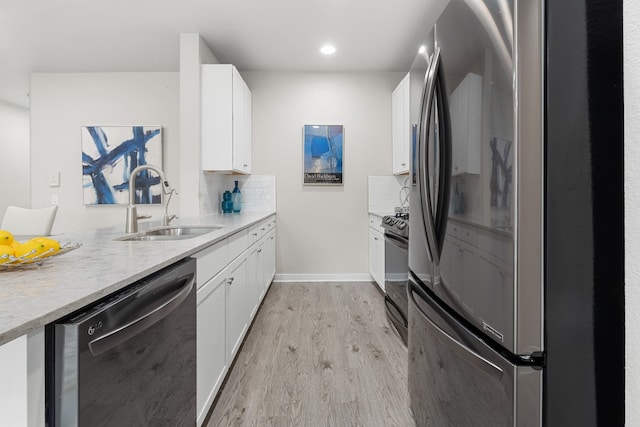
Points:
(318, 354)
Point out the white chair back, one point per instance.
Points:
(29, 222)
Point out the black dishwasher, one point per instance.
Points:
(128, 360)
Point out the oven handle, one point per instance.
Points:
(460, 349)
(159, 310)
(397, 241)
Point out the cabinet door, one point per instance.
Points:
(211, 355)
(376, 257)
(401, 132)
(269, 260)
(245, 142)
(236, 315)
(255, 286)
(225, 120)
(216, 117)
(241, 124)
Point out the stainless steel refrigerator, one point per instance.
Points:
(516, 248)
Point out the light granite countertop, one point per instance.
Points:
(32, 297)
(380, 214)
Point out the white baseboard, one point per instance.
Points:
(339, 277)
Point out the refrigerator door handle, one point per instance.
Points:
(426, 107)
(445, 153)
(462, 350)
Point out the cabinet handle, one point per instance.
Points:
(255, 234)
(402, 164)
(375, 238)
(263, 229)
(230, 280)
(246, 165)
(259, 250)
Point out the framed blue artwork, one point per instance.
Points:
(323, 149)
(110, 154)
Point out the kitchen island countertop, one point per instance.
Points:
(32, 297)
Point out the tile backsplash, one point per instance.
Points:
(388, 192)
(258, 192)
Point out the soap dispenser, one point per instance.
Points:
(236, 197)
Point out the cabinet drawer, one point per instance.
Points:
(375, 222)
(210, 261)
(271, 224)
(254, 233)
(238, 243)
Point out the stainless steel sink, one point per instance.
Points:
(171, 233)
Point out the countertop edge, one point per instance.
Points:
(15, 323)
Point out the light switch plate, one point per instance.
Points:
(54, 179)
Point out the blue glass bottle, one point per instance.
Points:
(236, 197)
(227, 203)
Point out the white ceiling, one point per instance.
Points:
(255, 35)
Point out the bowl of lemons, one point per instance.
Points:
(14, 253)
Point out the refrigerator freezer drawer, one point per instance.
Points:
(456, 379)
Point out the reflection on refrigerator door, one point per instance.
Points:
(457, 379)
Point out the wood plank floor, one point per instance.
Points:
(318, 354)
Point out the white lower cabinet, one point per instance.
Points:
(211, 356)
(233, 276)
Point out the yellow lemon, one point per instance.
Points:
(15, 244)
(52, 246)
(6, 252)
(30, 249)
(5, 237)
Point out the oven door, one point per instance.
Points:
(396, 275)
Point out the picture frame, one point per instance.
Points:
(110, 154)
(323, 154)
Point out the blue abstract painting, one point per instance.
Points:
(322, 154)
(110, 154)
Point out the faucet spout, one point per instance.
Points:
(132, 214)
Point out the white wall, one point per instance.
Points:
(62, 103)
(322, 231)
(193, 53)
(631, 37)
(14, 152)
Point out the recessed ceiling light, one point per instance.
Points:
(422, 49)
(328, 49)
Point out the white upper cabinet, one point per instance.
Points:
(401, 128)
(466, 123)
(226, 120)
